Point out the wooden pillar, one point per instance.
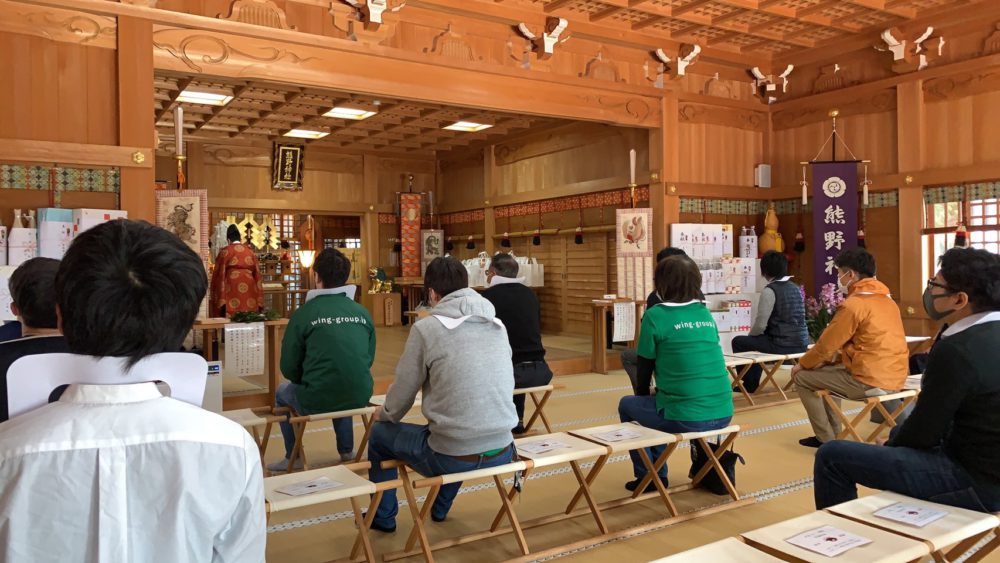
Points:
(489, 193)
(911, 131)
(664, 160)
(135, 113)
(369, 221)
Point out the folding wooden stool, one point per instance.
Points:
(700, 439)
(885, 547)
(738, 368)
(771, 363)
(546, 392)
(960, 529)
(850, 426)
(420, 513)
(299, 426)
(253, 419)
(793, 357)
(729, 549)
(352, 488)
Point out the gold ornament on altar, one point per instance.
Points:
(378, 282)
(771, 239)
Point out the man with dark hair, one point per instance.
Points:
(629, 357)
(780, 324)
(460, 358)
(867, 333)
(32, 289)
(517, 307)
(118, 471)
(948, 450)
(327, 355)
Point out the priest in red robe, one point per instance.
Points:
(236, 282)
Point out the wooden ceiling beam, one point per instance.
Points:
(275, 106)
(605, 13)
(652, 20)
(556, 4)
(883, 6)
(182, 84)
(219, 109)
(725, 37)
(689, 7)
(792, 14)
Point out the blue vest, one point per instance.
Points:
(787, 325)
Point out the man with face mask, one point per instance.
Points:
(948, 450)
(867, 334)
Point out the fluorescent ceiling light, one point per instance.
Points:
(204, 98)
(306, 134)
(349, 113)
(467, 126)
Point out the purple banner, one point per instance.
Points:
(835, 216)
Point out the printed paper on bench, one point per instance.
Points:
(618, 435)
(309, 487)
(911, 514)
(828, 541)
(542, 446)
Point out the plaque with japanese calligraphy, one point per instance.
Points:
(286, 167)
(835, 215)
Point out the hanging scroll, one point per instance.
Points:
(835, 215)
(635, 252)
(286, 167)
(409, 233)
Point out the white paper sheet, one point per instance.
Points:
(911, 514)
(624, 322)
(309, 487)
(244, 349)
(828, 541)
(542, 446)
(5, 299)
(618, 435)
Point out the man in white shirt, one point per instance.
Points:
(116, 473)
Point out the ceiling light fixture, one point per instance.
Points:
(306, 134)
(204, 98)
(467, 126)
(349, 113)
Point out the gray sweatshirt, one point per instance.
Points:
(465, 373)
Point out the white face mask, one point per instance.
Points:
(842, 287)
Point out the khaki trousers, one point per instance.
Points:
(838, 380)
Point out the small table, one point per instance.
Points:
(274, 331)
(601, 308)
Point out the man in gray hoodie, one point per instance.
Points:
(460, 358)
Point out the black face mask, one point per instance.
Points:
(933, 311)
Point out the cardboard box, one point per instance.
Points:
(55, 232)
(84, 219)
(723, 320)
(3, 245)
(22, 245)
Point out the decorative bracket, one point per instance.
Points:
(907, 56)
(687, 54)
(545, 45)
(371, 11)
(767, 87)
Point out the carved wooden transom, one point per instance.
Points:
(257, 12)
(261, 112)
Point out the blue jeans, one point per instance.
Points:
(642, 409)
(763, 344)
(408, 443)
(923, 474)
(287, 396)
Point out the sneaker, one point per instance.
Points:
(810, 442)
(282, 466)
(436, 519)
(347, 458)
(376, 526)
(650, 488)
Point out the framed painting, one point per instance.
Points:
(185, 214)
(633, 232)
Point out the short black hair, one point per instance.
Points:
(677, 279)
(128, 289)
(857, 259)
(446, 275)
(976, 273)
(32, 289)
(669, 251)
(233, 233)
(332, 267)
(504, 265)
(774, 265)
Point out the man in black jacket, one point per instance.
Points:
(948, 450)
(517, 307)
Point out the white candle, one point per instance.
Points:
(631, 159)
(805, 186)
(179, 130)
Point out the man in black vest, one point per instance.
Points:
(780, 324)
(517, 307)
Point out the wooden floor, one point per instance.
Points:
(778, 473)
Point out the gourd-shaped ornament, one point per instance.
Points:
(771, 239)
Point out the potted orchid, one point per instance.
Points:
(819, 311)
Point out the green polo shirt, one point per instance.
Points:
(692, 383)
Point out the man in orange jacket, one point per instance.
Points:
(867, 332)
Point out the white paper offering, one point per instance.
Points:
(618, 435)
(244, 349)
(5, 299)
(542, 446)
(828, 541)
(624, 322)
(309, 487)
(911, 514)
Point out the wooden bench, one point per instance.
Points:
(299, 423)
(770, 363)
(253, 419)
(352, 487)
(729, 549)
(850, 426)
(960, 530)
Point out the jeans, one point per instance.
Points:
(408, 443)
(923, 474)
(642, 409)
(529, 374)
(760, 343)
(343, 428)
